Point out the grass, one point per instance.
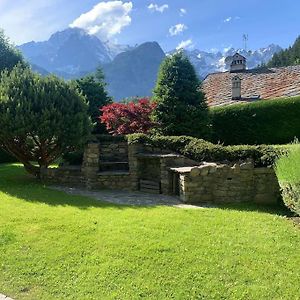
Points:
(287, 167)
(288, 173)
(58, 246)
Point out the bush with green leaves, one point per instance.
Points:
(261, 122)
(41, 118)
(201, 150)
(288, 173)
(181, 108)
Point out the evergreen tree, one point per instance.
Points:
(41, 118)
(287, 57)
(9, 55)
(94, 88)
(181, 108)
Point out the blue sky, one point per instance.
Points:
(202, 24)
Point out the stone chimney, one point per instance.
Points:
(238, 63)
(236, 88)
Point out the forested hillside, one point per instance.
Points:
(287, 57)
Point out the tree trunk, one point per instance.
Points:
(31, 169)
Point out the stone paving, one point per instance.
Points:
(130, 198)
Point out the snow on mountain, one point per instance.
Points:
(212, 62)
(69, 53)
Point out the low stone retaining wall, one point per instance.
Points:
(121, 181)
(221, 183)
(167, 173)
(70, 175)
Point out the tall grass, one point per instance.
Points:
(288, 173)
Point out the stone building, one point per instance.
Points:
(243, 85)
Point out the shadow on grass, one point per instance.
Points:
(15, 182)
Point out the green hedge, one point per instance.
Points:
(262, 122)
(288, 173)
(201, 150)
(5, 157)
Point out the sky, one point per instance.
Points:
(209, 25)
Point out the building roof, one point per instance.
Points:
(268, 83)
(240, 55)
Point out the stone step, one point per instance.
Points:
(113, 166)
(113, 173)
(149, 186)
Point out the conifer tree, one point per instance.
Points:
(41, 118)
(181, 108)
(94, 88)
(287, 57)
(9, 55)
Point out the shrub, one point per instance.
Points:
(181, 107)
(122, 118)
(262, 122)
(41, 118)
(201, 150)
(288, 173)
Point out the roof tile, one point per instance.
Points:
(267, 83)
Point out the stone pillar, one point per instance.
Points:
(90, 166)
(133, 151)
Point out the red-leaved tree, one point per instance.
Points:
(132, 117)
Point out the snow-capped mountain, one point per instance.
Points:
(73, 53)
(211, 62)
(70, 53)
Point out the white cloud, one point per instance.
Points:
(182, 12)
(177, 29)
(230, 19)
(105, 19)
(154, 7)
(188, 44)
(29, 21)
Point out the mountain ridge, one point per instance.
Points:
(73, 53)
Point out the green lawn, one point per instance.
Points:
(58, 246)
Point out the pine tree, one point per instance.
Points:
(9, 55)
(287, 57)
(181, 108)
(41, 118)
(94, 88)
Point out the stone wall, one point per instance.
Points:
(70, 175)
(111, 151)
(221, 183)
(167, 173)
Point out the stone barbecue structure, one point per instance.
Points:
(240, 85)
(137, 167)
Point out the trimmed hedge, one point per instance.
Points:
(201, 150)
(262, 122)
(288, 174)
(5, 157)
